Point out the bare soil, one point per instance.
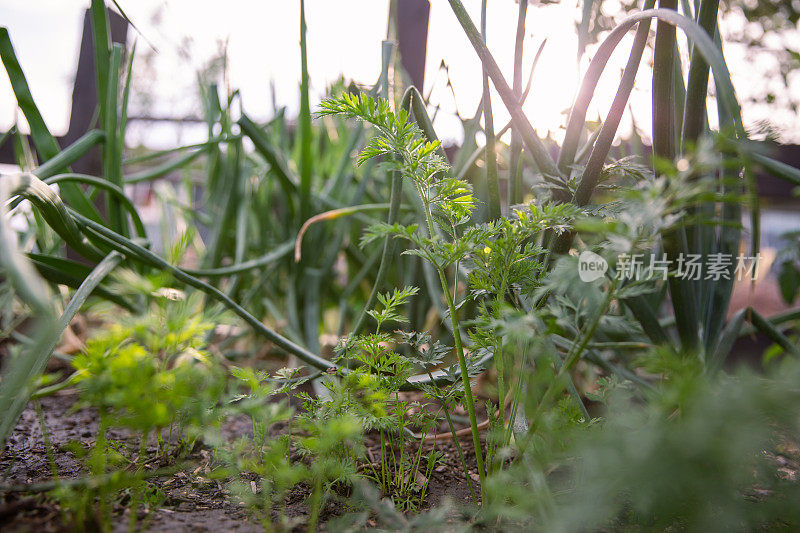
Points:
(194, 501)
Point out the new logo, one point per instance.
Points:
(591, 266)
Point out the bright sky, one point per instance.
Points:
(343, 37)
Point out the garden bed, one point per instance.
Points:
(333, 290)
(192, 500)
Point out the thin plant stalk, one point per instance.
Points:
(498, 358)
(48, 444)
(488, 128)
(515, 161)
(457, 442)
(462, 363)
(305, 122)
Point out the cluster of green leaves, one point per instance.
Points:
(448, 201)
(504, 259)
(700, 453)
(260, 469)
(370, 391)
(91, 508)
(399, 136)
(249, 209)
(143, 374)
(150, 371)
(122, 377)
(446, 206)
(524, 305)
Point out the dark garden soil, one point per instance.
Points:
(194, 501)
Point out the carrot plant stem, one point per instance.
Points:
(384, 473)
(462, 363)
(461, 455)
(498, 361)
(457, 442)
